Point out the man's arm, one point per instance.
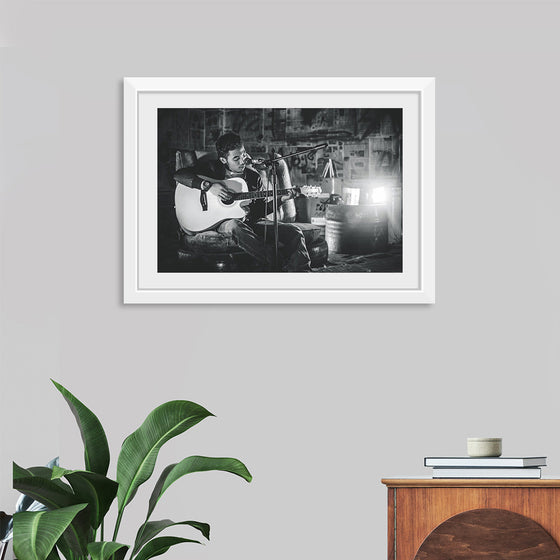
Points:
(188, 177)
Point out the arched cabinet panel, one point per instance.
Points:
(484, 534)
(473, 519)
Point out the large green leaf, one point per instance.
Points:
(96, 448)
(140, 449)
(36, 533)
(25, 503)
(173, 472)
(160, 546)
(149, 530)
(40, 472)
(106, 550)
(55, 494)
(95, 489)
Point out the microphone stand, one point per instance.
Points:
(274, 168)
(273, 164)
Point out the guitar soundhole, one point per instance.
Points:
(228, 202)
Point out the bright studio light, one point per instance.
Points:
(379, 195)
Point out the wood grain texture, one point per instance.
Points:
(391, 524)
(419, 510)
(488, 534)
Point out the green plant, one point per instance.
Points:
(73, 525)
(24, 503)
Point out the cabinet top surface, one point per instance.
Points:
(470, 482)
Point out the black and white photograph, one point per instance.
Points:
(277, 190)
(316, 190)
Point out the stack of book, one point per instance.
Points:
(485, 467)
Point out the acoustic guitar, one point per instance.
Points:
(192, 217)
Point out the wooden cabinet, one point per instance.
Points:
(507, 518)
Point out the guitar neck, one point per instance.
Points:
(260, 194)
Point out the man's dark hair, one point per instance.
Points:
(226, 142)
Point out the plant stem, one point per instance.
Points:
(117, 524)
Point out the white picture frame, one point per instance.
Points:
(141, 281)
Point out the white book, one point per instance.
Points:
(494, 472)
(467, 462)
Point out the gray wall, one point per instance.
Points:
(341, 396)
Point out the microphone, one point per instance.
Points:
(255, 161)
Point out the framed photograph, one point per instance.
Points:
(279, 190)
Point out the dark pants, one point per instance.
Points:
(293, 253)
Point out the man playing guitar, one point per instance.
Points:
(211, 178)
